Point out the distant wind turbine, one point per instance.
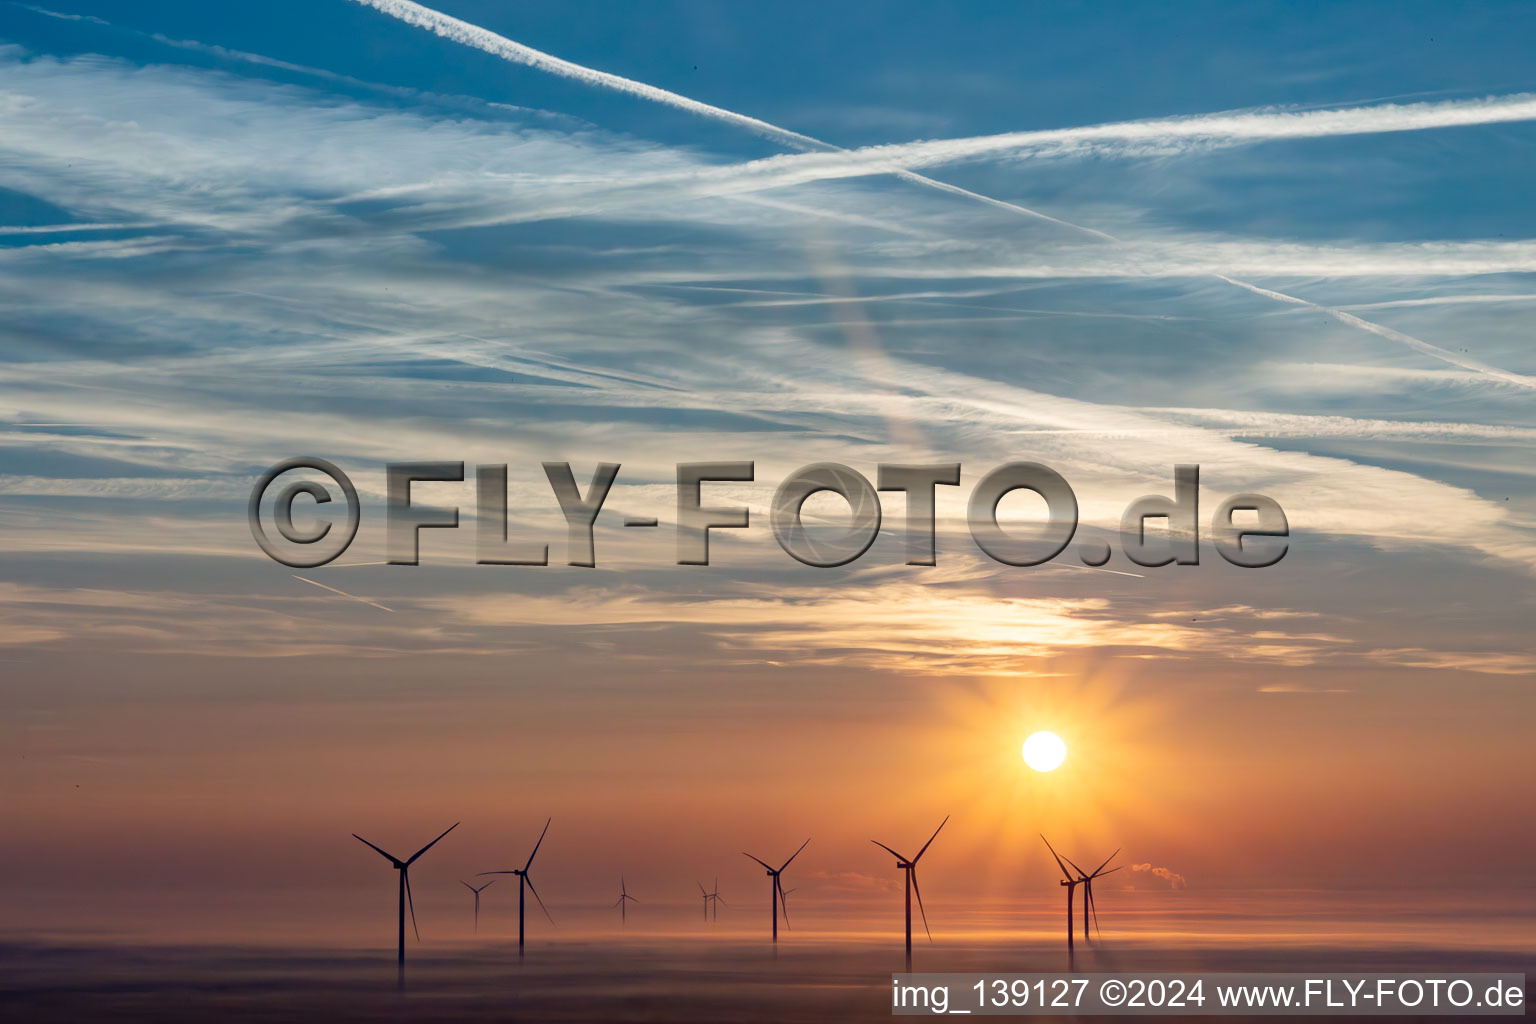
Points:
(624, 900)
(715, 899)
(404, 867)
(523, 881)
(776, 896)
(712, 900)
(477, 893)
(1068, 881)
(1086, 878)
(910, 867)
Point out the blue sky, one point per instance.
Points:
(1293, 244)
(394, 242)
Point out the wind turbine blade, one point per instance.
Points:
(433, 843)
(919, 893)
(468, 886)
(389, 857)
(720, 899)
(537, 845)
(1064, 872)
(744, 853)
(888, 850)
(1111, 871)
(796, 853)
(410, 902)
(511, 871)
(702, 892)
(931, 839)
(486, 886)
(1106, 861)
(717, 884)
(1093, 908)
(536, 897)
(618, 901)
(1081, 873)
(778, 890)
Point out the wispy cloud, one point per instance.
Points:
(1134, 138)
(306, 293)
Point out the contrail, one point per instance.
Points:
(1094, 568)
(1442, 300)
(50, 229)
(1201, 129)
(343, 593)
(500, 46)
(1152, 134)
(1176, 134)
(1418, 344)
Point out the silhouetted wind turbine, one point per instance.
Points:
(477, 893)
(784, 898)
(1086, 878)
(624, 900)
(910, 867)
(776, 896)
(404, 867)
(712, 900)
(715, 899)
(1068, 881)
(524, 881)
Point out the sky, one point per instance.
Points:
(1293, 248)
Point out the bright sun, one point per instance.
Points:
(1044, 751)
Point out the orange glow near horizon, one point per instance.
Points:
(1119, 779)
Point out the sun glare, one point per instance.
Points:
(1044, 751)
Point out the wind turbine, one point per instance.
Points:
(477, 893)
(404, 867)
(1086, 879)
(910, 867)
(1068, 881)
(624, 900)
(712, 900)
(776, 896)
(523, 881)
(715, 899)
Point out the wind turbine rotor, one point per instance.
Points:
(912, 874)
(536, 895)
(931, 839)
(536, 845)
(405, 874)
